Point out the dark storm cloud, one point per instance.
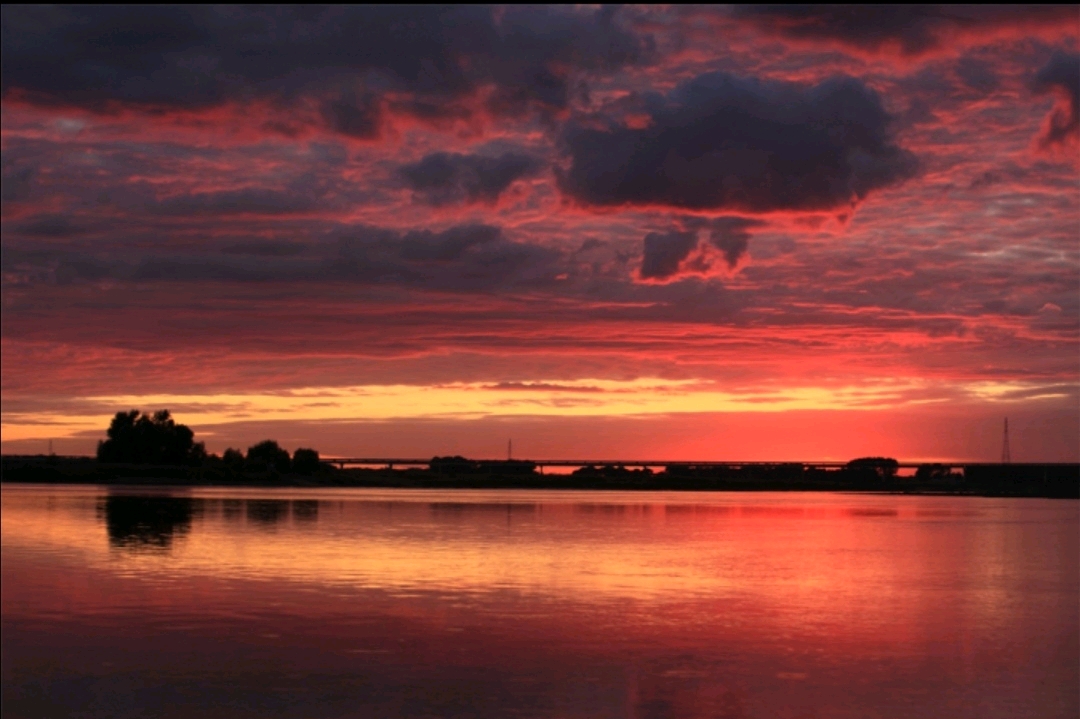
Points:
(48, 225)
(731, 236)
(255, 201)
(15, 182)
(357, 117)
(264, 248)
(663, 253)
(723, 141)
(914, 29)
(1061, 73)
(451, 244)
(977, 74)
(201, 56)
(443, 178)
(463, 258)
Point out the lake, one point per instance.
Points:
(385, 603)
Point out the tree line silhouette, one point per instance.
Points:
(155, 449)
(157, 439)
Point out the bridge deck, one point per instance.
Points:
(414, 462)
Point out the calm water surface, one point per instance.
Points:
(343, 603)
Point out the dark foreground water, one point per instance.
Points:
(343, 603)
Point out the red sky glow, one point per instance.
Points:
(647, 232)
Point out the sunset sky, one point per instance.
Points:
(688, 233)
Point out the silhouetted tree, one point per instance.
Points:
(885, 467)
(305, 461)
(149, 439)
(268, 455)
(452, 466)
(233, 457)
(198, 455)
(933, 472)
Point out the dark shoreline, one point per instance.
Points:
(1053, 481)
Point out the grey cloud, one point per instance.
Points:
(358, 117)
(1061, 72)
(731, 236)
(977, 74)
(203, 56)
(264, 248)
(543, 387)
(914, 29)
(449, 245)
(15, 182)
(985, 179)
(664, 251)
(443, 178)
(723, 141)
(459, 259)
(256, 201)
(48, 225)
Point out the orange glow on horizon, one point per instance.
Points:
(543, 399)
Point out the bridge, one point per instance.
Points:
(391, 462)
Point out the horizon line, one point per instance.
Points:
(415, 461)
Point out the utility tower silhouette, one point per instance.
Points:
(1006, 458)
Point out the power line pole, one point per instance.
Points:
(1006, 457)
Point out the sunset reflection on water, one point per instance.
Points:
(575, 604)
